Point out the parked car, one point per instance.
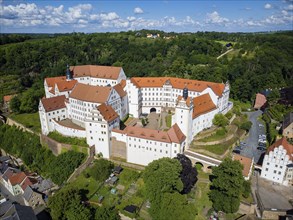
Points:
(261, 148)
(236, 151)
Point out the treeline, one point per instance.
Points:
(259, 61)
(38, 158)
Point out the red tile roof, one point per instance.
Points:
(178, 83)
(202, 104)
(174, 134)
(283, 141)
(7, 98)
(246, 162)
(51, 81)
(66, 85)
(260, 100)
(107, 112)
(54, 103)
(106, 72)
(17, 178)
(88, 93)
(27, 182)
(120, 90)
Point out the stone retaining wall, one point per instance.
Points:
(53, 145)
(11, 122)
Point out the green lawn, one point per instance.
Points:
(202, 202)
(218, 149)
(168, 119)
(29, 120)
(218, 135)
(68, 140)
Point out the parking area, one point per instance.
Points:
(252, 147)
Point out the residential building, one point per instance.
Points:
(247, 164)
(144, 145)
(33, 198)
(287, 125)
(6, 102)
(10, 211)
(278, 163)
(260, 101)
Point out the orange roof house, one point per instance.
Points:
(288, 147)
(247, 164)
(177, 83)
(106, 72)
(260, 101)
(202, 104)
(107, 112)
(53, 103)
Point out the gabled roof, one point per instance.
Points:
(288, 119)
(283, 141)
(119, 90)
(7, 98)
(202, 104)
(53, 103)
(106, 72)
(246, 162)
(178, 83)
(175, 134)
(107, 112)
(27, 194)
(51, 81)
(17, 178)
(88, 93)
(260, 100)
(66, 85)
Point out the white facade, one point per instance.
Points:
(47, 118)
(98, 132)
(96, 81)
(277, 165)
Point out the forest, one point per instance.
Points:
(258, 60)
(37, 157)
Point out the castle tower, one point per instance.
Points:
(183, 115)
(68, 73)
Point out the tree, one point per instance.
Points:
(66, 204)
(246, 189)
(107, 213)
(175, 206)
(220, 120)
(15, 104)
(227, 185)
(188, 175)
(101, 169)
(273, 97)
(246, 125)
(160, 177)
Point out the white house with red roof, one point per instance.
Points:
(145, 145)
(278, 163)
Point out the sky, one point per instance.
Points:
(57, 16)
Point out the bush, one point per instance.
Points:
(220, 120)
(229, 115)
(246, 125)
(67, 140)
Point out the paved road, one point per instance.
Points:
(252, 139)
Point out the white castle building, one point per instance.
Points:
(91, 100)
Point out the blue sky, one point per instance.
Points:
(57, 16)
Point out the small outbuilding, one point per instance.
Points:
(117, 169)
(131, 208)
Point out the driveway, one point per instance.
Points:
(250, 150)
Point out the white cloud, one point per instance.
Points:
(215, 18)
(267, 6)
(289, 8)
(109, 16)
(137, 10)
